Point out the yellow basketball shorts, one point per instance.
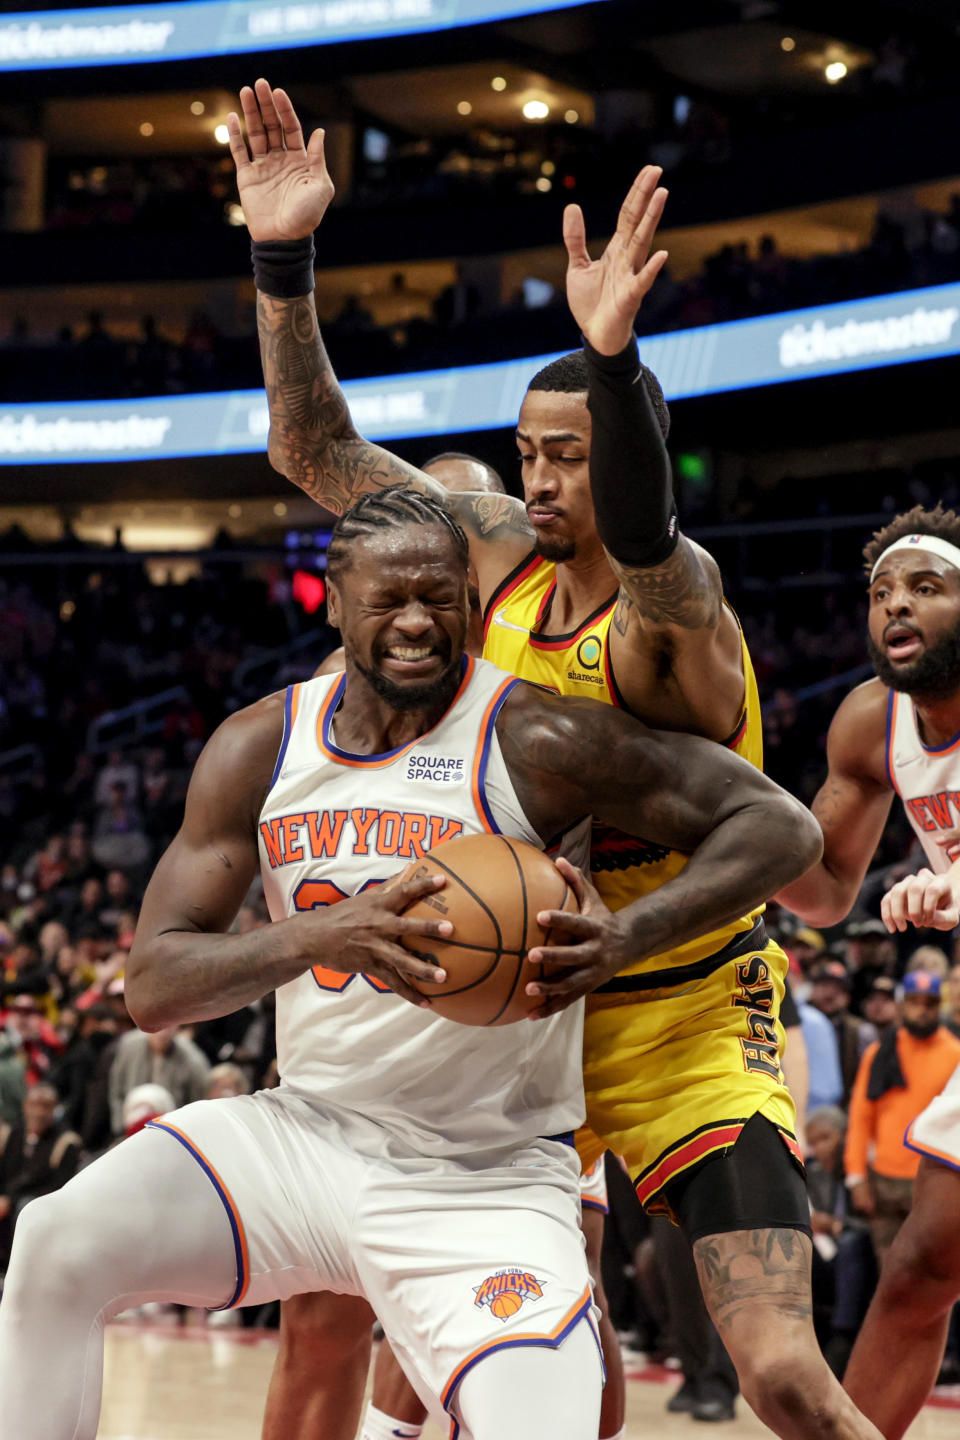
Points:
(672, 1075)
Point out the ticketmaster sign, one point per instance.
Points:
(826, 340)
(127, 34)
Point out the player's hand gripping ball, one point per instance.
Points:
(495, 888)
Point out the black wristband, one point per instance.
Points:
(283, 268)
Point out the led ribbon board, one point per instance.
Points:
(795, 345)
(134, 34)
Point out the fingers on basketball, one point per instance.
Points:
(495, 887)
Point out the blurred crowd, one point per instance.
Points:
(909, 247)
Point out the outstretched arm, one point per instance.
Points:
(671, 596)
(285, 190)
(851, 806)
(746, 837)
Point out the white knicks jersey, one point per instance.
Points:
(334, 824)
(927, 780)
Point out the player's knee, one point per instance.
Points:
(774, 1386)
(920, 1271)
(52, 1255)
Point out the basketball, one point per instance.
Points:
(495, 888)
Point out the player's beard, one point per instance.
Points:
(436, 695)
(921, 1029)
(934, 675)
(556, 550)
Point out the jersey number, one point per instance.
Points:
(312, 895)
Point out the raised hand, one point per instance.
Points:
(604, 295)
(284, 185)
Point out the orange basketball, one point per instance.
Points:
(495, 887)
(505, 1305)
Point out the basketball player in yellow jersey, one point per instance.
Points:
(682, 1063)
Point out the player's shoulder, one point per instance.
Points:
(239, 757)
(864, 710)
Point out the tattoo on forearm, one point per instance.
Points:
(682, 591)
(743, 1269)
(312, 439)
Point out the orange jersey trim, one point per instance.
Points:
(376, 762)
(551, 1338)
(233, 1214)
(482, 752)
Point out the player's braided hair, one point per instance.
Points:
(570, 374)
(397, 505)
(943, 523)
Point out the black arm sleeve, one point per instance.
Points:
(630, 477)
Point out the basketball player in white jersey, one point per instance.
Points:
(418, 1163)
(326, 1340)
(899, 735)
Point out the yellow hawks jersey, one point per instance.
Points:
(623, 867)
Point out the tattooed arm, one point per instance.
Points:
(314, 442)
(182, 966)
(285, 190)
(745, 836)
(851, 806)
(675, 646)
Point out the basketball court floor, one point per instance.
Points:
(199, 1383)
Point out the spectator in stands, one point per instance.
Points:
(37, 1156)
(226, 1080)
(844, 1254)
(870, 952)
(84, 922)
(119, 839)
(825, 1077)
(931, 959)
(23, 973)
(13, 1084)
(880, 1005)
(49, 867)
(898, 1077)
(119, 770)
(74, 1074)
(38, 1041)
(118, 899)
(143, 1104)
(166, 1058)
(830, 994)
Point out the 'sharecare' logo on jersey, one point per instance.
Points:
(613, 850)
(505, 1291)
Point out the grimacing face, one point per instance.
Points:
(402, 610)
(914, 624)
(553, 437)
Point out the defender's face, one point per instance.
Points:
(553, 437)
(402, 611)
(914, 623)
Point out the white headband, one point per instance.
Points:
(932, 543)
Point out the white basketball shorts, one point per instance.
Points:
(593, 1188)
(936, 1130)
(457, 1257)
